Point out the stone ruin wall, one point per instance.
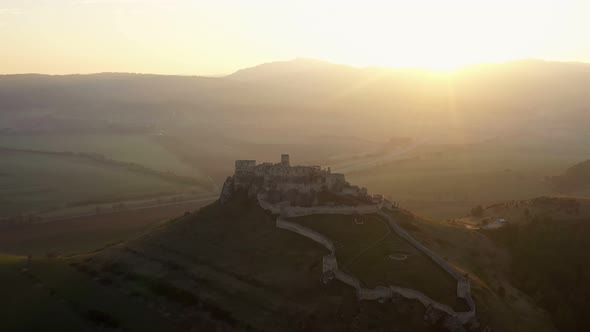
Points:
(307, 232)
(463, 286)
(299, 211)
(330, 265)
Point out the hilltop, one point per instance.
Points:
(576, 179)
(274, 254)
(522, 212)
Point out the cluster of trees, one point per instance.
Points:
(550, 263)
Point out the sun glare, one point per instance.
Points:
(181, 37)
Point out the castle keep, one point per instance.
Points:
(292, 185)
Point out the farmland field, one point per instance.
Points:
(447, 183)
(141, 149)
(88, 233)
(32, 183)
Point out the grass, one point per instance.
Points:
(51, 296)
(85, 234)
(375, 268)
(488, 267)
(443, 182)
(363, 250)
(142, 149)
(233, 258)
(27, 307)
(350, 238)
(36, 182)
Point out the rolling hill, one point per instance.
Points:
(576, 179)
(229, 268)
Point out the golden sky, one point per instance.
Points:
(209, 37)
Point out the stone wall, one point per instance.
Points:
(347, 279)
(381, 293)
(299, 211)
(300, 187)
(227, 190)
(463, 285)
(274, 209)
(308, 233)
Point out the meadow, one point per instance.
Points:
(88, 233)
(142, 149)
(441, 182)
(32, 183)
(363, 250)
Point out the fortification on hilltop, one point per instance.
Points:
(293, 185)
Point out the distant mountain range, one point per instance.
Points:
(492, 98)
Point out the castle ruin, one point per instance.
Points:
(292, 185)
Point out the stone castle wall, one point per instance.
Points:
(463, 286)
(300, 187)
(307, 232)
(381, 293)
(299, 211)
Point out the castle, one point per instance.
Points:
(292, 185)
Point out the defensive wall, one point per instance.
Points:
(381, 293)
(307, 232)
(300, 211)
(463, 286)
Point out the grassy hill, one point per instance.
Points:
(550, 255)
(221, 268)
(488, 266)
(545, 242)
(229, 268)
(520, 212)
(246, 274)
(364, 250)
(446, 181)
(576, 179)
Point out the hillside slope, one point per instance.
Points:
(575, 179)
(230, 268)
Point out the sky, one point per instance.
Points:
(214, 37)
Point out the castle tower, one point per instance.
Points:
(285, 160)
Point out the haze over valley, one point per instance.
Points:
(487, 125)
(298, 166)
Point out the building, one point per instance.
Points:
(297, 185)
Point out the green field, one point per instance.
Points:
(363, 250)
(445, 183)
(31, 183)
(141, 149)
